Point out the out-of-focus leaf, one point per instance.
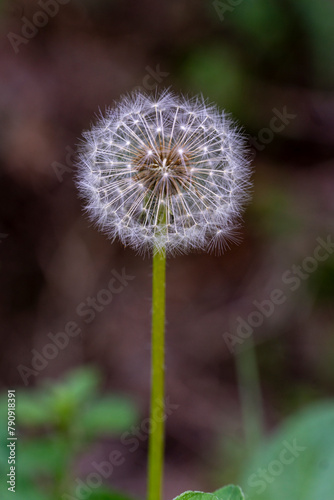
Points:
(79, 385)
(266, 22)
(54, 422)
(45, 455)
(3, 417)
(25, 490)
(111, 414)
(107, 495)
(66, 397)
(274, 212)
(229, 492)
(321, 281)
(217, 72)
(31, 409)
(298, 461)
(318, 18)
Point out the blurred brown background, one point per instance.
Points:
(257, 59)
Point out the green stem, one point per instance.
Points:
(250, 394)
(157, 431)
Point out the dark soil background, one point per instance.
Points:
(251, 59)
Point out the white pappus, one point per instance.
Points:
(165, 171)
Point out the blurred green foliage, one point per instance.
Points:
(255, 43)
(321, 282)
(56, 423)
(297, 461)
(102, 494)
(229, 492)
(216, 71)
(318, 18)
(273, 213)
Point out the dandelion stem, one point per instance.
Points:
(157, 431)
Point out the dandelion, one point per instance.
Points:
(165, 172)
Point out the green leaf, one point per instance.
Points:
(229, 492)
(298, 461)
(66, 397)
(111, 414)
(45, 455)
(78, 385)
(32, 410)
(107, 495)
(55, 403)
(195, 495)
(25, 489)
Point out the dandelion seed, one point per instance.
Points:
(156, 173)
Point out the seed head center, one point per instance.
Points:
(164, 171)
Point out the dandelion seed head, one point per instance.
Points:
(165, 171)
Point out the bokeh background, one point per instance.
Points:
(255, 58)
